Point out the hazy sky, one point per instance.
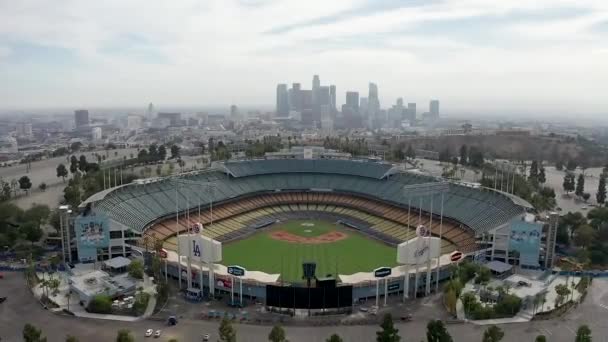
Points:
(482, 55)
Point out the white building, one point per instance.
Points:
(96, 134)
(24, 129)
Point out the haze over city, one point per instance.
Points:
(305, 171)
(545, 57)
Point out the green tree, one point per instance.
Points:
(173, 340)
(141, 302)
(463, 155)
(277, 334)
(533, 171)
(600, 196)
(226, 331)
(38, 213)
(334, 338)
(25, 183)
(584, 236)
(493, 334)
(542, 178)
(62, 171)
(42, 187)
(32, 334)
(483, 275)
(410, 152)
(568, 183)
(436, 332)
(388, 332)
(124, 335)
(31, 232)
(136, 269)
(175, 151)
(100, 304)
(162, 152)
(540, 338)
(580, 185)
(71, 338)
(562, 292)
(82, 163)
(583, 334)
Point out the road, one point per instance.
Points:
(21, 308)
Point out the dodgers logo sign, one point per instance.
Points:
(196, 249)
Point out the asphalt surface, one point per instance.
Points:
(21, 308)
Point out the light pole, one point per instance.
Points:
(419, 190)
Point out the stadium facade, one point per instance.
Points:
(237, 198)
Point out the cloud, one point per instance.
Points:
(472, 54)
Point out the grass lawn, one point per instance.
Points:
(356, 253)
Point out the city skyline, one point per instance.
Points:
(545, 57)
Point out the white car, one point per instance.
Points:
(149, 332)
(157, 333)
(206, 338)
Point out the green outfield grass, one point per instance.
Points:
(356, 253)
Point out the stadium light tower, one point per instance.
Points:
(189, 184)
(421, 190)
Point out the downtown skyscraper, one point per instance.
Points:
(282, 108)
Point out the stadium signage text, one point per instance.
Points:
(420, 252)
(382, 272)
(456, 256)
(196, 249)
(236, 271)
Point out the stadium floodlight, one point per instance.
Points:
(182, 182)
(422, 190)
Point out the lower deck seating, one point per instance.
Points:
(226, 220)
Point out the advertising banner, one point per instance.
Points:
(525, 239)
(92, 233)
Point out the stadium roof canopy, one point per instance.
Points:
(137, 205)
(363, 168)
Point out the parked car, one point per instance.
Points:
(149, 332)
(206, 337)
(158, 333)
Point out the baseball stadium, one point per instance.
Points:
(346, 216)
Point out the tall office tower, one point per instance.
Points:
(282, 100)
(151, 111)
(81, 117)
(400, 102)
(234, 112)
(363, 106)
(434, 109)
(295, 97)
(352, 100)
(324, 96)
(332, 98)
(373, 101)
(411, 111)
(306, 99)
(323, 99)
(316, 83)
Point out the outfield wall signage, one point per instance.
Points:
(382, 272)
(200, 248)
(418, 250)
(236, 271)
